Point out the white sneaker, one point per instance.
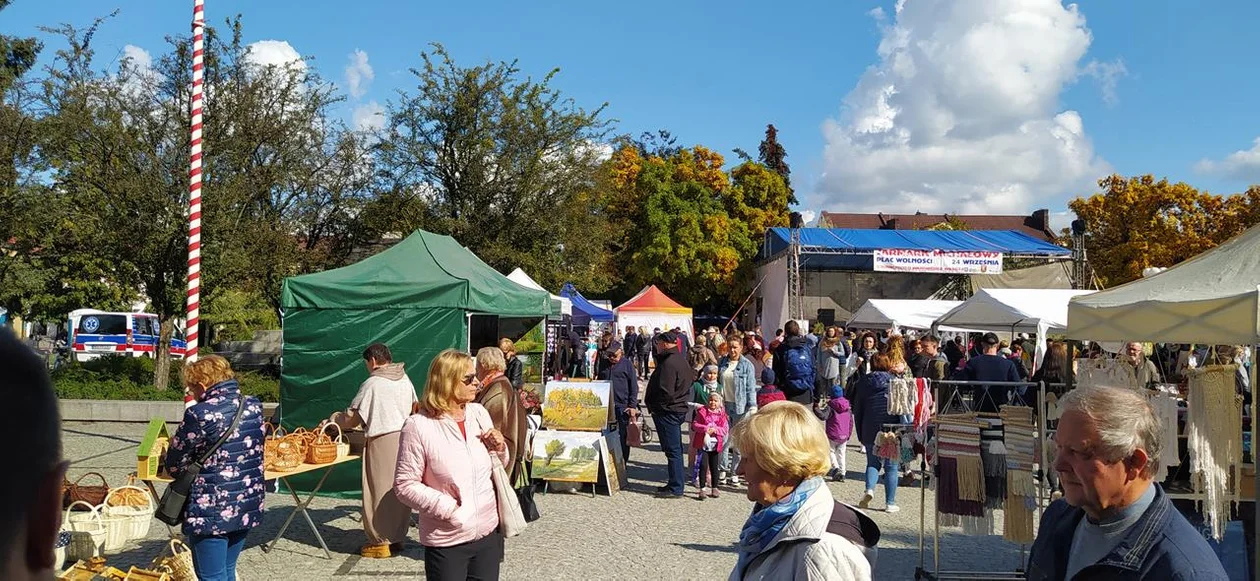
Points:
(892, 508)
(722, 477)
(866, 499)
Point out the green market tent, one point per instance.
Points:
(417, 297)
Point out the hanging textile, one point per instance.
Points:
(901, 396)
(1214, 435)
(1165, 406)
(1020, 438)
(906, 441)
(888, 446)
(958, 440)
(1105, 372)
(993, 458)
(923, 405)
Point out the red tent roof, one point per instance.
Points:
(652, 299)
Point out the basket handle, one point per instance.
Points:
(96, 474)
(177, 546)
(95, 510)
(147, 496)
(341, 436)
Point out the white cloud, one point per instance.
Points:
(138, 57)
(369, 116)
(1242, 165)
(359, 74)
(277, 53)
(808, 217)
(961, 113)
(1107, 74)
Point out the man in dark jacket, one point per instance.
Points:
(668, 391)
(794, 365)
(647, 347)
(630, 345)
(625, 394)
(989, 366)
(1114, 522)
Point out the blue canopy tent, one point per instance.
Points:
(852, 249)
(583, 310)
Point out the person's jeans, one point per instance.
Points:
(730, 457)
(891, 475)
(669, 431)
(214, 556)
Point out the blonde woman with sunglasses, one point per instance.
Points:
(443, 473)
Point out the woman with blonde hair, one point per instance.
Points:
(443, 472)
(785, 454)
(226, 500)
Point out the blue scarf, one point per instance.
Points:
(766, 522)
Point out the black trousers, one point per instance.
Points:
(710, 462)
(477, 560)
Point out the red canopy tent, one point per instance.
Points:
(651, 309)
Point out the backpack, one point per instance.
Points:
(799, 364)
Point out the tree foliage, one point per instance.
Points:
(686, 225)
(773, 155)
(554, 449)
(1138, 222)
(503, 163)
(583, 454)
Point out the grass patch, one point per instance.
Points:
(575, 418)
(117, 377)
(566, 469)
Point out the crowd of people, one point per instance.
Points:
(772, 417)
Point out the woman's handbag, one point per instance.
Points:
(170, 509)
(525, 492)
(511, 519)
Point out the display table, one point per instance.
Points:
(299, 506)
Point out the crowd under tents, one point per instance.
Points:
(584, 311)
(1213, 298)
(1039, 311)
(653, 309)
(420, 296)
(560, 306)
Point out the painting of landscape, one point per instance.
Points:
(566, 456)
(576, 406)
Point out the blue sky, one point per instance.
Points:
(969, 106)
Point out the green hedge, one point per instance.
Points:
(119, 377)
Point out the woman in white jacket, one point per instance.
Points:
(796, 531)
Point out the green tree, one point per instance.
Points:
(504, 164)
(554, 449)
(772, 154)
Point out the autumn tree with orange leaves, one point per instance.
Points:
(1138, 222)
(687, 225)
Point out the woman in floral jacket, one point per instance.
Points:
(226, 500)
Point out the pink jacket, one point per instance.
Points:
(447, 478)
(700, 426)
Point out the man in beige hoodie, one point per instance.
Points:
(383, 403)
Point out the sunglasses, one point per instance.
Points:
(470, 378)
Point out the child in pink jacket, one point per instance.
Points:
(839, 428)
(708, 431)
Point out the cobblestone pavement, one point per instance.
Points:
(628, 536)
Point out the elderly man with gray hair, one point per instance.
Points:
(1114, 522)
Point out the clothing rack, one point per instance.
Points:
(1011, 387)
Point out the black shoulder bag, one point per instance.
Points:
(170, 509)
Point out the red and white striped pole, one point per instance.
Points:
(194, 186)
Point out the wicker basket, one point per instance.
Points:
(135, 505)
(343, 445)
(270, 441)
(289, 454)
(179, 564)
(92, 494)
(87, 532)
(321, 449)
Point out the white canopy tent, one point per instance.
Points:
(909, 314)
(519, 276)
(1211, 298)
(1011, 310)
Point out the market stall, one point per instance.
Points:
(1212, 298)
(420, 296)
(651, 309)
(560, 306)
(907, 314)
(1008, 310)
(584, 311)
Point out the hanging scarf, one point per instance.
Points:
(765, 523)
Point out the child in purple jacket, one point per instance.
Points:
(839, 427)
